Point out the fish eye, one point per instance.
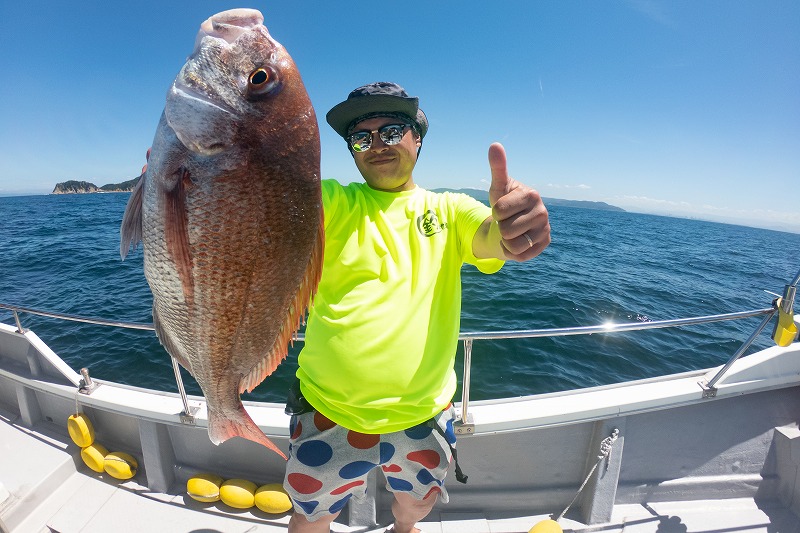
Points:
(259, 77)
(262, 81)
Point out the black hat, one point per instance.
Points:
(376, 99)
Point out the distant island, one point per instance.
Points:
(83, 187)
(483, 196)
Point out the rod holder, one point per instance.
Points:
(87, 384)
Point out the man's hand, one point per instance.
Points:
(522, 224)
(146, 159)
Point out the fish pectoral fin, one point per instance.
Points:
(131, 229)
(176, 232)
(294, 316)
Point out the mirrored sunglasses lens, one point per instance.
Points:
(392, 134)
(361, 141)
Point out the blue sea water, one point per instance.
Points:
(61, 253)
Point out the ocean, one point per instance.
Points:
(60, 253)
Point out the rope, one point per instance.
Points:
(605, 450)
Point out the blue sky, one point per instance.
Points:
(687, 108)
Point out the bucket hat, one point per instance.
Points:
(375, 99)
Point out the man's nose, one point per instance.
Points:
(377, 142)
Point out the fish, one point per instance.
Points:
(229, 214)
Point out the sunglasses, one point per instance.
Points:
(390, 134)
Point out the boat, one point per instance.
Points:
(712, 450)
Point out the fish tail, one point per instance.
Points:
(237, 423)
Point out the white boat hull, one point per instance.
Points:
(678, 455)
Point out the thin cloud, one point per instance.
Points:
(655, 201)
(757, 217)
(653, 10)
(582, 186)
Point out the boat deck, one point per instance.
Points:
(45, 487)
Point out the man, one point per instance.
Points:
(376, 373)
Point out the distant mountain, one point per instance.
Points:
(82, 187)
(74, 187)
(125, 186)
(583, 204)
(483, 196)
(78, 187)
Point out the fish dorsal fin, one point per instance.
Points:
(294, 317)
(131, 229)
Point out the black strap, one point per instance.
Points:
(296, 404)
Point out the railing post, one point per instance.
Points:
(187, 417)
(16, 319)
(465, 425)
(709, 390)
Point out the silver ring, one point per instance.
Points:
(530, 242)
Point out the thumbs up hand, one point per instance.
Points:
(518, 210)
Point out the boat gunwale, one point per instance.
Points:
(490, 416)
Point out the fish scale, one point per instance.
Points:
(229, 212)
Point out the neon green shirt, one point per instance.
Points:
(382, 334)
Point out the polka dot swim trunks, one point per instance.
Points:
(329, 464)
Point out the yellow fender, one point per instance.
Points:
(273, 499)
(94, 456)
(204, 487)
(546, 526)
(80, 430)
(238, 493)
(120, 465)
(785, 331)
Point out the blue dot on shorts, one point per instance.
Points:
(308, 507)
(419, 432)
(387, 452)
(336, 507)
(425, 477)
(314, 453)
(450, 435)
(399, 484)
(355, 469)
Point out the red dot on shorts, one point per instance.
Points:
(304, 484)
(362, 441)
(297, 430)
(345, 488)
(392, 468)
(434, 490)
(322, 422)
(427, 458)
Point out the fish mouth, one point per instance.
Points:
(181, 90)
(202, 119)
(229, 25)
(202, 125)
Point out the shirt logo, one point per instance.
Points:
(428, 224)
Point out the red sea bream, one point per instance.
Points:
(230, 216)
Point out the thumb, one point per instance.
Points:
(501, 183)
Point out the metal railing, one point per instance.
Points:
(464, 425)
